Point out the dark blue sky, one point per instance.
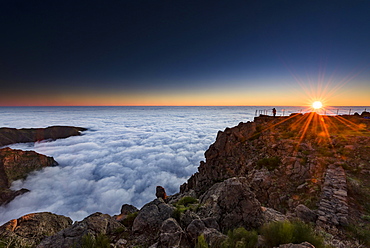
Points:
(59, 48)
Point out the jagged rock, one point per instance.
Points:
(211, 222)
(232, 204)
(30, 229)
(94, 225)
(271, 215)
(195, 228)
(151, 217)
(305, 214)
(128, 209)
(7, 195)
(213, 237)
(188, 217)
(16, 164)
(121, 243)
(302, 245)
(172, 235)
(12, 135)
(160, 192)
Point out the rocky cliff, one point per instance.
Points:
(274, 182)
(15, 165)
(12, 135)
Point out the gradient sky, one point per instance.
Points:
(184, 52)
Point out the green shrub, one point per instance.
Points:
(14, 242)
(296, 232)
(270, 163)
(240, 238)
(184, 204)
(178, 211)
(100, 241)
(201, 243)
(361, 233)
(186, 200)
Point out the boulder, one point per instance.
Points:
(232, 204)
(172, 235)
(305, 214)
(93, 225)
(271, 215)
(128, 209)
(30, 229)
(160, 192)
(188, 217)
(212, 236)
(195, 228)
(151, 216)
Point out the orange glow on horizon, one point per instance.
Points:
(301, 94)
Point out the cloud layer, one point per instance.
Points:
(124, 155)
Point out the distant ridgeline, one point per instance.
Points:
(12, 135)
(301, 179)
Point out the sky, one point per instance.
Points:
(162, 52)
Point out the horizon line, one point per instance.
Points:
(179, 106)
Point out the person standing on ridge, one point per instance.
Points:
(274, 112)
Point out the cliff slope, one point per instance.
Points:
(15, 165)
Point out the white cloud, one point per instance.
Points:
(121, 159)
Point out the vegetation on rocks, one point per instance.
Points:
(240, 238)
(296, 232)
(90, 241)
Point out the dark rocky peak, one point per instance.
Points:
(12, 135)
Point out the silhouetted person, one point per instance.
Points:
(274, 112)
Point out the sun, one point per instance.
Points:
(317, 105)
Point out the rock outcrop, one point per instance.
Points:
(12, 135)
(90, 227)
(232, 204)
(15, 165)
(150, 218)
(30, 229)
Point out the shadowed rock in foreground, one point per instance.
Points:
(29, 230)
(12, 135)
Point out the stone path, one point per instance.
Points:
(333, 206)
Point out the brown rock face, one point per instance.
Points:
(16, 164)
(30, 229)
(232, 204)
(12, 135)
(285, 159)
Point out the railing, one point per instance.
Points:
(323, 111)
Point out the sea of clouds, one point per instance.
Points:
(124, 155)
